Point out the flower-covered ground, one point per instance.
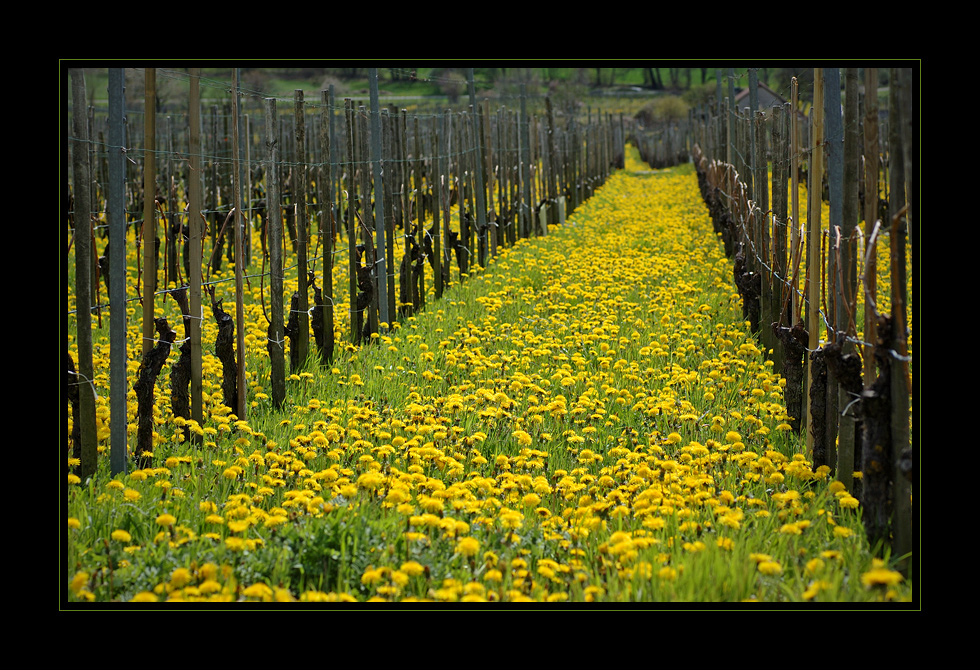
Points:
(586, 420)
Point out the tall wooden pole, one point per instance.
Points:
(88, 449)
(327, 234)
(195, 196)
(870, 218)
(900, 390)
(239, 250)
(302, 342)
(847, 302)
(149, 210)
(834, 141)
(381, 258)
(273, 226)
(794, 232)
(813, 237)
(118, 335)
(356, 315)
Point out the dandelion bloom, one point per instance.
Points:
(880, 577)
(371, 480)
(814, 565)
(258, 590)
(770, 568)
(468, 546)
(412, 568)
(78, 581)
(121, 536)
(531, 499)
(166, 520)
(180, 578)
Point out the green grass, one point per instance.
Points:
(656, 468)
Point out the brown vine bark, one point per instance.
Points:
(794, 341)
(146, 377)
(876, 445)
(224, 349)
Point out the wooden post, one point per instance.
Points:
(389, 170)
(239, 250)
(480, 171)
(834, 141)
(299, 185)
(444, 264)
(870, 218)
(87, 451)
(149, 210)
(901, 454)
(356, 315)
(380, 267)
(527, 206)
(763, 217)
(418, 183)
(813, 237)
(847, 301)
(488, 235)
(779, 222)
(273, 226)
(195, 222)
(327, 233)
(438, 196)
(794, 221)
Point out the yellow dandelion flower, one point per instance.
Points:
(121, 536)
(258, 590)
(180, 578)
(235, 544)
(78, 581)
(166, 520)
(239, 526)
(770, 568)
(468, 546)
(144, 597)
(791, 529)
(880, 576)
(531, 500)
(523, 438)
(412, 568)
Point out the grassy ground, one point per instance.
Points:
(587, 420)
